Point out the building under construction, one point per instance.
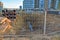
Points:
(1, 7)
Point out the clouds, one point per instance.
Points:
(12, 3)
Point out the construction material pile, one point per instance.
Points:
(4, 25)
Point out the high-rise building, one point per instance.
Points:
(33, 5)
(53, 4)
(36, 3)
(1, 7)
(40, 5)
(59, 5)
(28, 5)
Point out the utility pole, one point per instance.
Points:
(46, 7)
(45, 23)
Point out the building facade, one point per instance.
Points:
(28, 5)
(1, 7)
(59, 5)
(53, 4)
(33, 5)
(40, 5)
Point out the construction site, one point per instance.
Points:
(40, 21)
(23, 26)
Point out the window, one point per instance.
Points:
(41, 4)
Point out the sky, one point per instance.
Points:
(12, 3)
